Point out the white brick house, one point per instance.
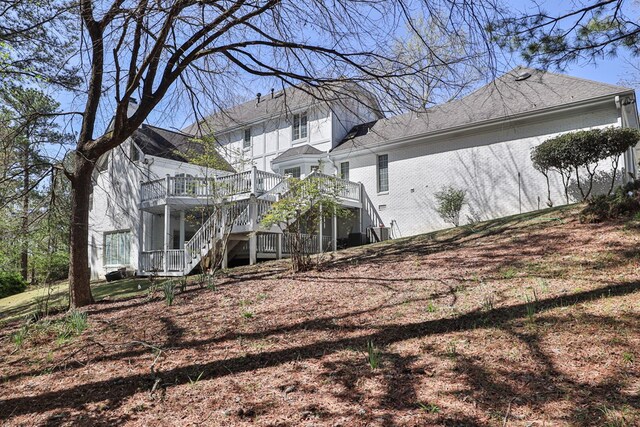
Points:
(391, 166)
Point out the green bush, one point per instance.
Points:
(449, 204)
(11, 284)
(570, 153)
(624, 202)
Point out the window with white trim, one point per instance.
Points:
(294, 172)
(246, 142)
(344, 170)
(300, 128)
(117, 247)
(383, 173)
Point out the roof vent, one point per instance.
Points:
(523, 75)
(258, 95)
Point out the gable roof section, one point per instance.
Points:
(303, 150)
(280, 103)
(503, 98)
(155, 141)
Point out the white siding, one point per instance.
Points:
(116, 196)
(485, 164)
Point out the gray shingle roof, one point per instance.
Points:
(168, 144)
(503, 98)
(302, 150)
(281, 103)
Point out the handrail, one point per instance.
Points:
(342, 188)
(204, 187)
(201, 239)
(152, 190)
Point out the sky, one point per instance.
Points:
(609, 70)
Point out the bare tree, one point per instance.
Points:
(153, 50)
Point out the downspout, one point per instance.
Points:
(335, 168)
(629, 117)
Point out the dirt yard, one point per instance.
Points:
(527, 321)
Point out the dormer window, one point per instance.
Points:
(300, 126)
(246, 142)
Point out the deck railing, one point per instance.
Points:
(267, 243)
(175, 260)
(310, 243)
(338, 186)
(194, 247)
(236, 183)
(151, 261)
(251, 181)
(153, 190)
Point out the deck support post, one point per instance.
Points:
(320, 248)
(279, 246)
(253, 224)
(254, 180)
(253, 248)
(279, 237)
(182, 225)
(167, 235)
(334, 231)
(141, 230)
(181, 230)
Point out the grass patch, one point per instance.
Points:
(29, 302)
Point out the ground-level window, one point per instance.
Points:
(117, 246)
(300, 130)
(294, 172)
(344, 170)
(383, 173)
(246, 142)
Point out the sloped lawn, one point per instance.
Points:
(56, 296)
(528, 321)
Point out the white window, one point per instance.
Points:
(344, 170)
(300, 130)
(117, 245)
(294, 172)
(246, 142)
(383, 173)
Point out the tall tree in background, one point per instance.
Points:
(27, 119)
(583, 30)
(154, 50)
(456, 63)
(36, 39)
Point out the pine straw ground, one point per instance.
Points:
(527, 321)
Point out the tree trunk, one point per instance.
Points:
(79, 273)
(24, 228)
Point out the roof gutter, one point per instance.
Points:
(478, 125)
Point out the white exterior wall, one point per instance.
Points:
(116, 196)
(485, 164)
(327, 126)
(347, 115)
(272, 137)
